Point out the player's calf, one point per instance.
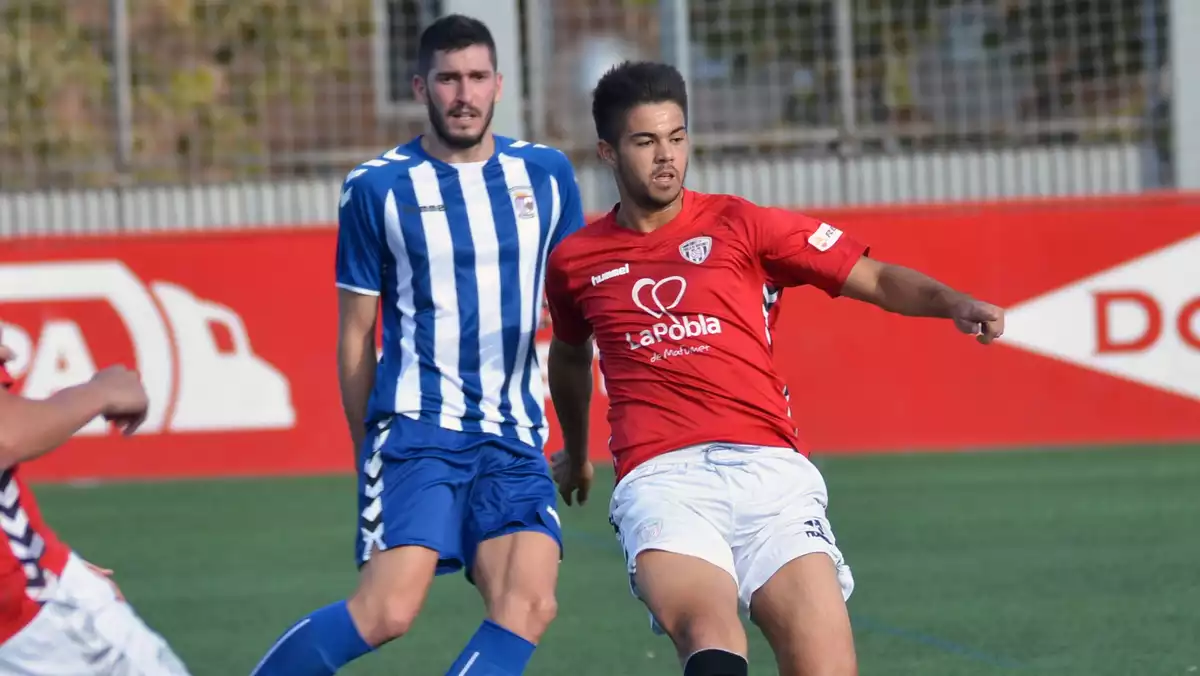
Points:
(802, 612)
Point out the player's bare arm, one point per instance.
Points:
(914, 294)
(30, 428)
(356, 357)
(571, 392)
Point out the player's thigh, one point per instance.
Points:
(792, 575)
(412, 493)
(85, 630)
(671, 521)
(513, 493)
(780, 515)
(692, 600)
(803, 616)
(513, 538)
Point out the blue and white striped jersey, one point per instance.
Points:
(458, 254)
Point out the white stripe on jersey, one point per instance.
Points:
(535, 384)
(408, 392)
(486, 245)
(443, 287)
(529, 239)
(769, 300)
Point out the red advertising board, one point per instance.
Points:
(234, 337)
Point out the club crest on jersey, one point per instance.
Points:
(696, 249)
(524, 204)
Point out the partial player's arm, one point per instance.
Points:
(570, 366)
(359, 277)
(30, 428)
(914, 294)
(798, 250)
(356, 358)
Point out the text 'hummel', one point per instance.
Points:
(617, 272)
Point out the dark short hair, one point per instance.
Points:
(631, 84)
(450, 34)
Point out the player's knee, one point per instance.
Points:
(525, 613)
(384, 617)
(694, 631)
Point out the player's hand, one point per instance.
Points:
(572, 479)
(977, 318)
(107, 575)
(125, 399)
(6, 354)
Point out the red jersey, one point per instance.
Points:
(32, 558)
(682, 317)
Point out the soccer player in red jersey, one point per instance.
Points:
(60, 615)
(716, 504)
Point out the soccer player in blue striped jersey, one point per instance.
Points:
(449, 236)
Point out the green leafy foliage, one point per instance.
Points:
(206, 76)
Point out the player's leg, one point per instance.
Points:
(85, 629)
(696, 603)
(793, 577)
(409, 529)
(671, 517)
(803, 616)
(513, 547)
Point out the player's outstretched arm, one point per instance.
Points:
(914, 294)
(356, 358)
(30, 428)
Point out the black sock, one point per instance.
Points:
(716, 662)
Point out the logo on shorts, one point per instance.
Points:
(649, 531)
(696, 249)
(658, 298)
(816, 529)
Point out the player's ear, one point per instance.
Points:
(499, 88)
(606, 153)
(420, 91)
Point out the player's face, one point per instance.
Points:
(651, 157)
(460, 91)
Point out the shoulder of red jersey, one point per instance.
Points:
(580, 241)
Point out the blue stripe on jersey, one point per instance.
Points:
(545, 197)
(391, 364)
(467, 289)
(510, 282)
(424, 337)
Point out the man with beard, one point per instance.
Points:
(716, 504)
(449, 234)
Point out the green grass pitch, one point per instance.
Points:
(1065, 562)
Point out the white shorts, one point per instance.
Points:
(749, 510)
(86, 631)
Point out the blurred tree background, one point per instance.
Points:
(206, 79)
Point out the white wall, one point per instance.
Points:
(777, 180)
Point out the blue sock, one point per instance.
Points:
(493, 651)
(318, 645)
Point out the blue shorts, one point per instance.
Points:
(420, 484)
